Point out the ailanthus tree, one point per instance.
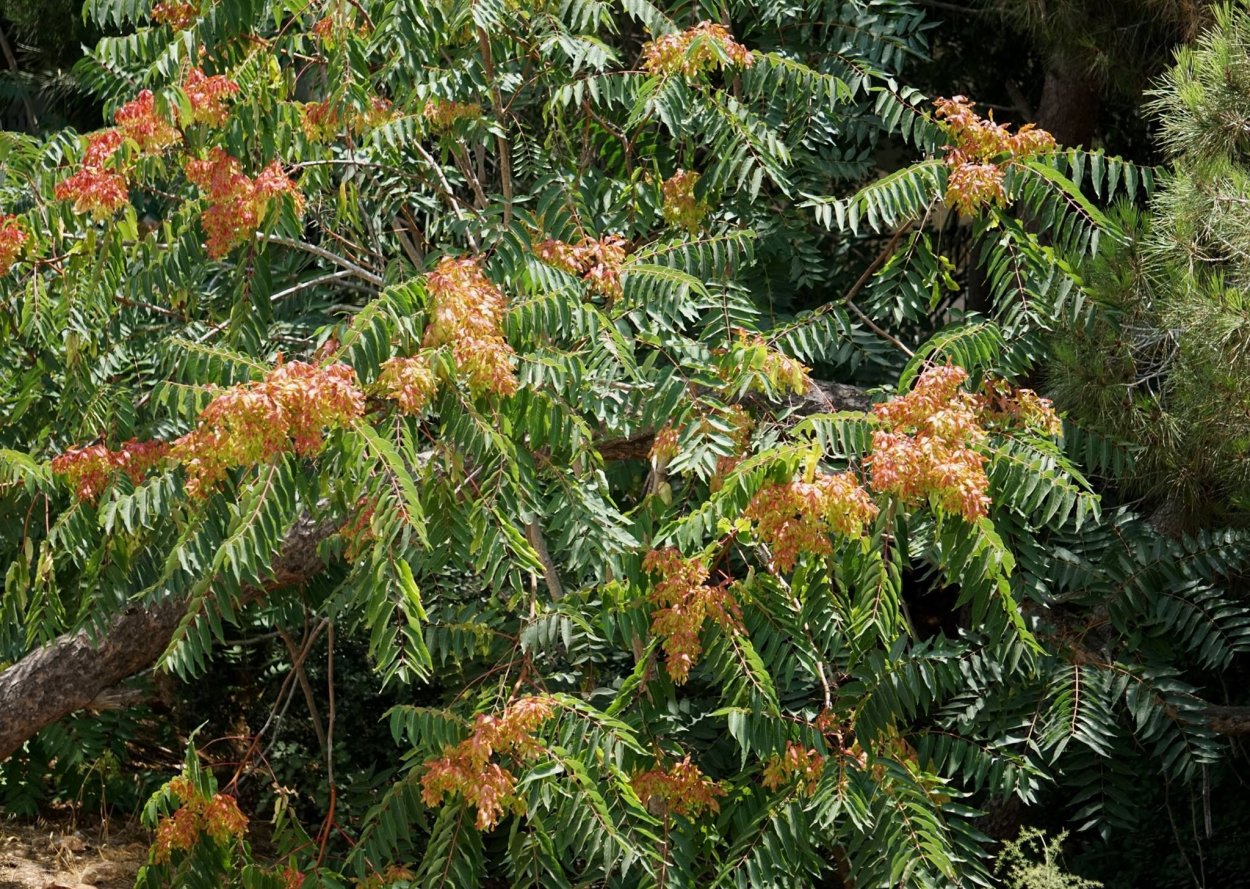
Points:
(574, 357)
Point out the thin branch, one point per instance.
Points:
(306, 687)
(534, 534)
(329, 821)
(313, 282)
(505, 159)
(456, 204)
(358, 271)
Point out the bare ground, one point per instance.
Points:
(57, 856)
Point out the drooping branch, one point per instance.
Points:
(69, 673)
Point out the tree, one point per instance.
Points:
(483, 332)
(1160, 369)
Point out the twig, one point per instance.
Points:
(312, 282)
(450, 195)
(358, 271)
(505, 159)
(329, 821)
(534, 534)
(306, 687)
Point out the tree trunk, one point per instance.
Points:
(1071, 102)
(69, 673)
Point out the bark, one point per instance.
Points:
(1226, 719)
(73, 672)
(1071, 102)
(820, 397)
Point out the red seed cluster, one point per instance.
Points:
(466, 313)
(681, 208)
(325, 121)
(175, 14)
(596, 261)
(320, 121)
(801, 517)
(665, 446)
(799, 765)
(12, 238)
(681, 789)
(409, 381)
(926, 448)
(207, 96)
(139, 120)
(977, 161)
(467, 768)
(249, 424)
(331, 28)
(217, 816)
(95, 189)
(90, 469)
(442, 114)
(684, 602)
(237, 202)
(1004, 406)
(695, 51)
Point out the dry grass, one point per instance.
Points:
(57, 856)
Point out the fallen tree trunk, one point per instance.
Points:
(69, 673)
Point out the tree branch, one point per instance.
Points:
(71, 672)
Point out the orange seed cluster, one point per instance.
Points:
(217, 816)
(409, 381)
(1005, 406)
(695, 51)
(685, 602)
(799, 765)
(977, 162)
(442, 114)
(177, 15)
(139, 120)
(12, 238)
(325, 121)
(801, 516)
(596, 261)
(468, 769)
(90, 469)
(681, 208)
(207, 96)
(248, 424)
(467, 313)
(95, 189)
(926, 448)
(681, 789)
(237, 202)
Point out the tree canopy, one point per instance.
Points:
(594, 393)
